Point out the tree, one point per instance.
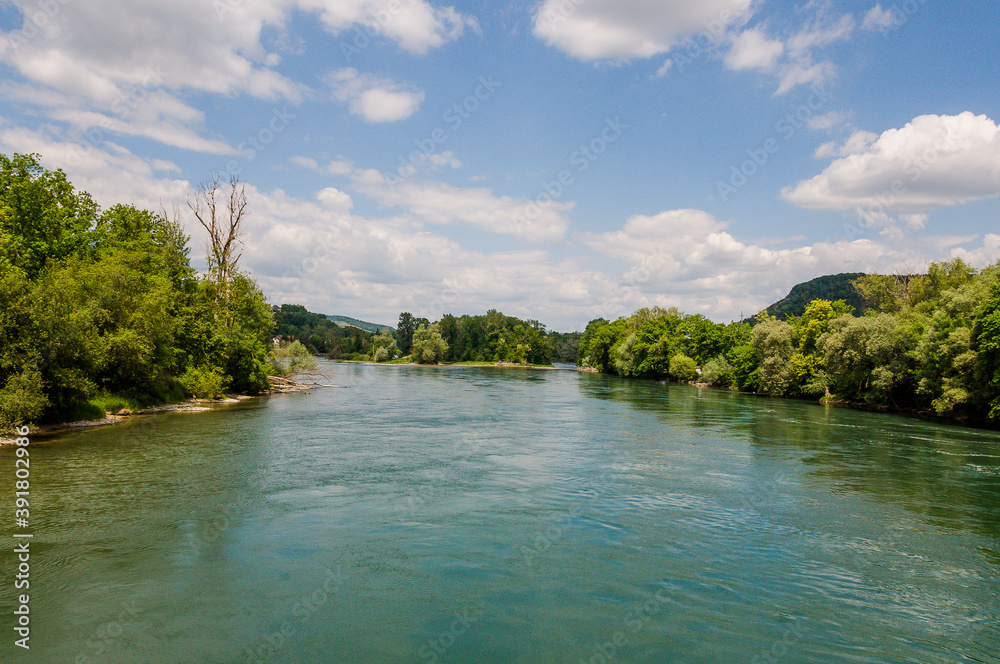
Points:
(987, 340)
(289, 359)
(772, 341)
(407, 325)
(42, 217)
(867, 358)
(225, 245)
(428, 347)
(384, 347)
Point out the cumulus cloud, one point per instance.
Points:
(689, 259)
(933, 161)
(374, 98)
(626, 29)
(111, 173)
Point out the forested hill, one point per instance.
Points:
(374, 328)
(830, 287)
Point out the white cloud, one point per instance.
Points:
(110, 173)
(934, 161)
(664, 68)
(857, 143)
(988, 254)
(878, 19)
(822, 33)
(333, 167)
(827, 120)
(317, 252)
(752, 49)
(373, 98)
(625, 29)
(689, 259)
(415, 25)
(792, 60)
(139, 67)
(440, 203)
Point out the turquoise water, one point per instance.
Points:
(490, 515)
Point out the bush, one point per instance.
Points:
(717, 371)
(382, 354)
(204, 383)
(287, 359)
(683, 367)
(22, 399)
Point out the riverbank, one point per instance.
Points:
(401, 363)
(833, 400)
(279, 385)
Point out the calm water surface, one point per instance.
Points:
(484, 515)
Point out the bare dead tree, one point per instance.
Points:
(225, 244)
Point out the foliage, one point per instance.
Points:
(320, 334)
(683, 367)
(99, 308)
(204, 382)
(427, 346)
(831, 287)
(384, 346)
(407, 326)
(772, 341)
(288, 359)
(928, 342)
(717, 371)
(494, 338)
(565, 346)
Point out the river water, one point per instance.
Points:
(511, 516)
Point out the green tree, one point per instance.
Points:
(42, 217)
(986, 333)
(868, 358)
(405, 328)
(384, 346)
(428, 347)
(683, 367)
(772, 341)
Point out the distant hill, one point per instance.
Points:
(347, 321)
(830, 287)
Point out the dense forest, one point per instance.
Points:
(101, 309)
(924, 342)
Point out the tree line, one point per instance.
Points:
(492, 337)
(927, 342)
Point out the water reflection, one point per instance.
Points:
(948, 474)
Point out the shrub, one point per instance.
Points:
(717, 371)
(683, 367)
(22, 399)
(204, 383)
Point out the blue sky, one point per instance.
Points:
(559, 159)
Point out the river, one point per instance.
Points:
(511, 516)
